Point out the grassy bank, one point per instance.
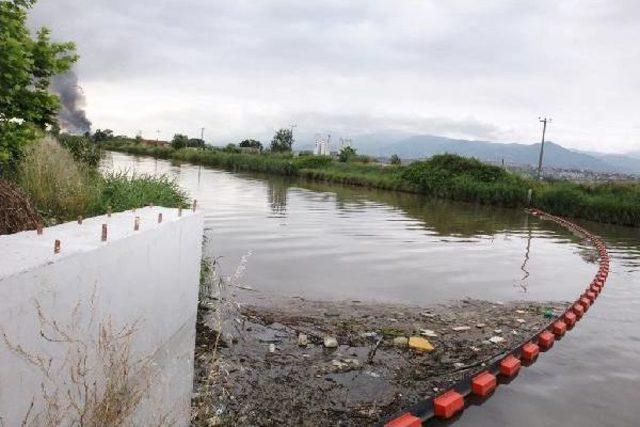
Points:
(446, 176)
(63, 186)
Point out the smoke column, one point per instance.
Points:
(72, 117)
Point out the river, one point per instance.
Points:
(323, 241)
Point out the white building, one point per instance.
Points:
(322, 145)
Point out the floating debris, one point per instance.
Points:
(330, 342)
(428, 333)
(400, 341)
(303, 340)
(419, 343)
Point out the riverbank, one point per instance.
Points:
(62, 182)
(448, 177)
(270, 363)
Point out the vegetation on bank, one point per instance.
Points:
(63, 188)
(444, 176)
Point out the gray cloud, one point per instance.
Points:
(482, 70)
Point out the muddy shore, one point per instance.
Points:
(269, 364)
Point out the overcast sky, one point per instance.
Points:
(472, 69)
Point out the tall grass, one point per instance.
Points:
(58, 186)
(123, 191)
(443, 176)
(63, 189)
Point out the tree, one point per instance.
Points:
(282, 141)
(102, 135)
(346, 153)
(251, 143)
(179, 141)
(395, 160)
(195, 142)
(26, 67)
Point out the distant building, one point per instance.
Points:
(322, 146)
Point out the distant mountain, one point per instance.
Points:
(419, 146)
(634, 154)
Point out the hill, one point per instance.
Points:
(419, 146)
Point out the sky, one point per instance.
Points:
(468, 69)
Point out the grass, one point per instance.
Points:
(443, 176)
(63, 188)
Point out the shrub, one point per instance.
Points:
(82, 149)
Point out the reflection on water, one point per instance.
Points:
(332, 241)
(277, 197)
(328, 241)
(523, 281)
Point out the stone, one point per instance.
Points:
(421, 344)
(303, 340)
(461, 328)
(330, 342)
(400, 341)
(428, 333)
(496, 340)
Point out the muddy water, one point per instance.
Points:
(336, 242)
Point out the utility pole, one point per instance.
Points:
(293, 125)
(544, 130)
(157, 135)
(202, 134)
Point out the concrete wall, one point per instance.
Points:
(146, 279)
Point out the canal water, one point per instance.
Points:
(323, 241)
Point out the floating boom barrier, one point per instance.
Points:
(478, 386)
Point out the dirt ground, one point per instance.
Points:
(258, 371)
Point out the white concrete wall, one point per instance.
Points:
(148, 277)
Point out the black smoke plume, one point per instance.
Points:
(72, 117)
